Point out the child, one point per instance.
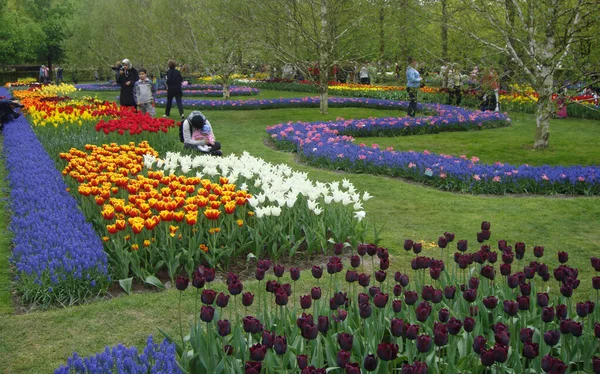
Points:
(143, 94)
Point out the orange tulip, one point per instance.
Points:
(191, 218)
(230, 207)
(212, 214)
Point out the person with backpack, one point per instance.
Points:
(196, 133)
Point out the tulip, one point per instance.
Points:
(519, 250)
(280, 345)
(523, 302)
(253, 367)
(488, 272)
(370, 362)
(310, 331)
(258, 352)
(417, 247)
(531, 350)
(352, 368)
(423, 311)
(247, 299)
(490, 302)
(576, 329)
(374, 291)
(505, 269)
(462, 245)
(207, 313)
(355, 261)
(263, 264)
(397, 327)
(302, 361)
(470, 295)
(228, 349)
(341, 315)
(485, 225)
(487, 357)
(317, 272)
(525, 334)
(402, 279)
(486, 234)
(548, 314)
(281, 297)
(351, 276)
(252, 325)
(440, 335)
(454, 325)
(223, 327)
(380, 300)
(442, 242)
(502, 245)
(500, 353)
(305, 302)
(208, 296)
(596, 365)
(492, 257)
(323, 324)
(551, 337)
(362, 249)
(513, 281)
(315, 293)
(410, 297)
(222, 300)
(209, 274)
(384, 263)
(423, 343)
(582, 309)
(364, 279)
(278, 270)
(563, 257)
(259, 274)
(474, 282)
(198, 281)
(397, 306)
(595, 263)
(561, 311)
(437, 296)
(479, 344)
(566, 290)
(411, 331)
(181, 283)
(397, 290)
(342, 358)
(443, 315)
(345, 341)
(380, 276)
(565, 326)
(597, 330)
(389, 351)
(271, 286)
(295, 273)
(502, 337)
(371, 249)
(596, 283)
(365, 310)
(469, 324)
(511, 307)
(547, 363)
(268, 339)
(435, 273)
(529, 272)
(449, 292)
(408, 244)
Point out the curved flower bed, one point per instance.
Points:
(155, 358)
(57, 255)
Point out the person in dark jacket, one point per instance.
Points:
(174, 80)
(127, 78)
(8, 111)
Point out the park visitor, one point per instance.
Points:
(143, 93)
(413, 82)
(198, 134)
(174, 81)
(128, 75)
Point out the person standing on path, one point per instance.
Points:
(413, 82)
(174, 81)
(127, 78)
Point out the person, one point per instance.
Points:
(363, 75)
(397, 71)
(127, 78)
(117, 67)
(198, 134)
(174, 80)
(454, 85)
(413, 82)
(143, 93)
(59, 75)
(490, 86)
(8, 111)
(561, 103)
(41, 74)
(444, 76)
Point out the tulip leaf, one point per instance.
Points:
(151, 279)
(126, 284)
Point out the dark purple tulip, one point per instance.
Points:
(576, 329)
(551, 337)
(513, 280)
(317, 272)
(271, 286)
(323, 324)
(529, 272)
(469, 324)
(423, 343)
(247, 299)
(397, 290)
(364, 279)
(502, 245)
(345, 341)
(264, 264)
(302, 361)
(423, 311)
(259, 274)
(370, 362)
(389, 351)
(548, 314)
(410, 297)
(561, 311)
(490, 302)
(485, 225)
(397, 327)
(258, 352)
(295, 273)
(454, 325)
(531, 350)
(486, 234)
(462, 245)
(209, 274)
(442, 242)
(355, 261)
(437, 296)
(342, 358)
(365, 310)
(338, 248)
(525, 289)
(487, 357)
(440, 334)
(525, 335)
(479, 344)
(449, 292)
(547, 363)
(310, 331)
(542, 299)
(582, 309)
(523, 302)
(352, 368)
(402, 279)
(305, 302)
(474, 282)
(341, 315)
(222, 300)
(435, 273)
(411, 331)
(198, 281)
(384, 263)
(417, 248)
(565, 326)
(566, 290)
(340, 298)
(362, 249)
(563, 257)
(595, 263)
(397, 306)
(334, 265)
(427, 293)
(363, 298)
(252, 325)
(208, 297)
(408, 244)
(223, 327)
(538, 251)
(278, 270)
(508, 257)
(500, 353)
(596, 283)
(597, 330)
(511, 307)
(253, 367)
(559, 367)
(443, 315)
(380, 300)
(281, 297)
(371, 249)
(520, 250)
(502, 337)
(268, 339)
(470, 295)
(374, 291)
(380, 276)
(228, 349)
(315, 293)
(207, 313)
(383, 253)
(280, 345)
(181, 283)
(332, 304)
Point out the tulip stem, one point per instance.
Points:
(180, 321)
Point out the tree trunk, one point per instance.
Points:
(323, 93)
(324, 60)
(444, 30)
(381, 31)
(543, 110)
(226, 93)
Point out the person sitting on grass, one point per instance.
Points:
(198, 135)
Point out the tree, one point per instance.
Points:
(538, 36)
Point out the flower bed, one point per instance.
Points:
(57, 255)
(498, 307)
(330, 144)
(233, 91)
(155, 359)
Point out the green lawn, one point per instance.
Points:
(39, 341)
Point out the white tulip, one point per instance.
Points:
(360, 215)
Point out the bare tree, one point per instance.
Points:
(538, 36)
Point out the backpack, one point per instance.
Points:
(181, 131)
